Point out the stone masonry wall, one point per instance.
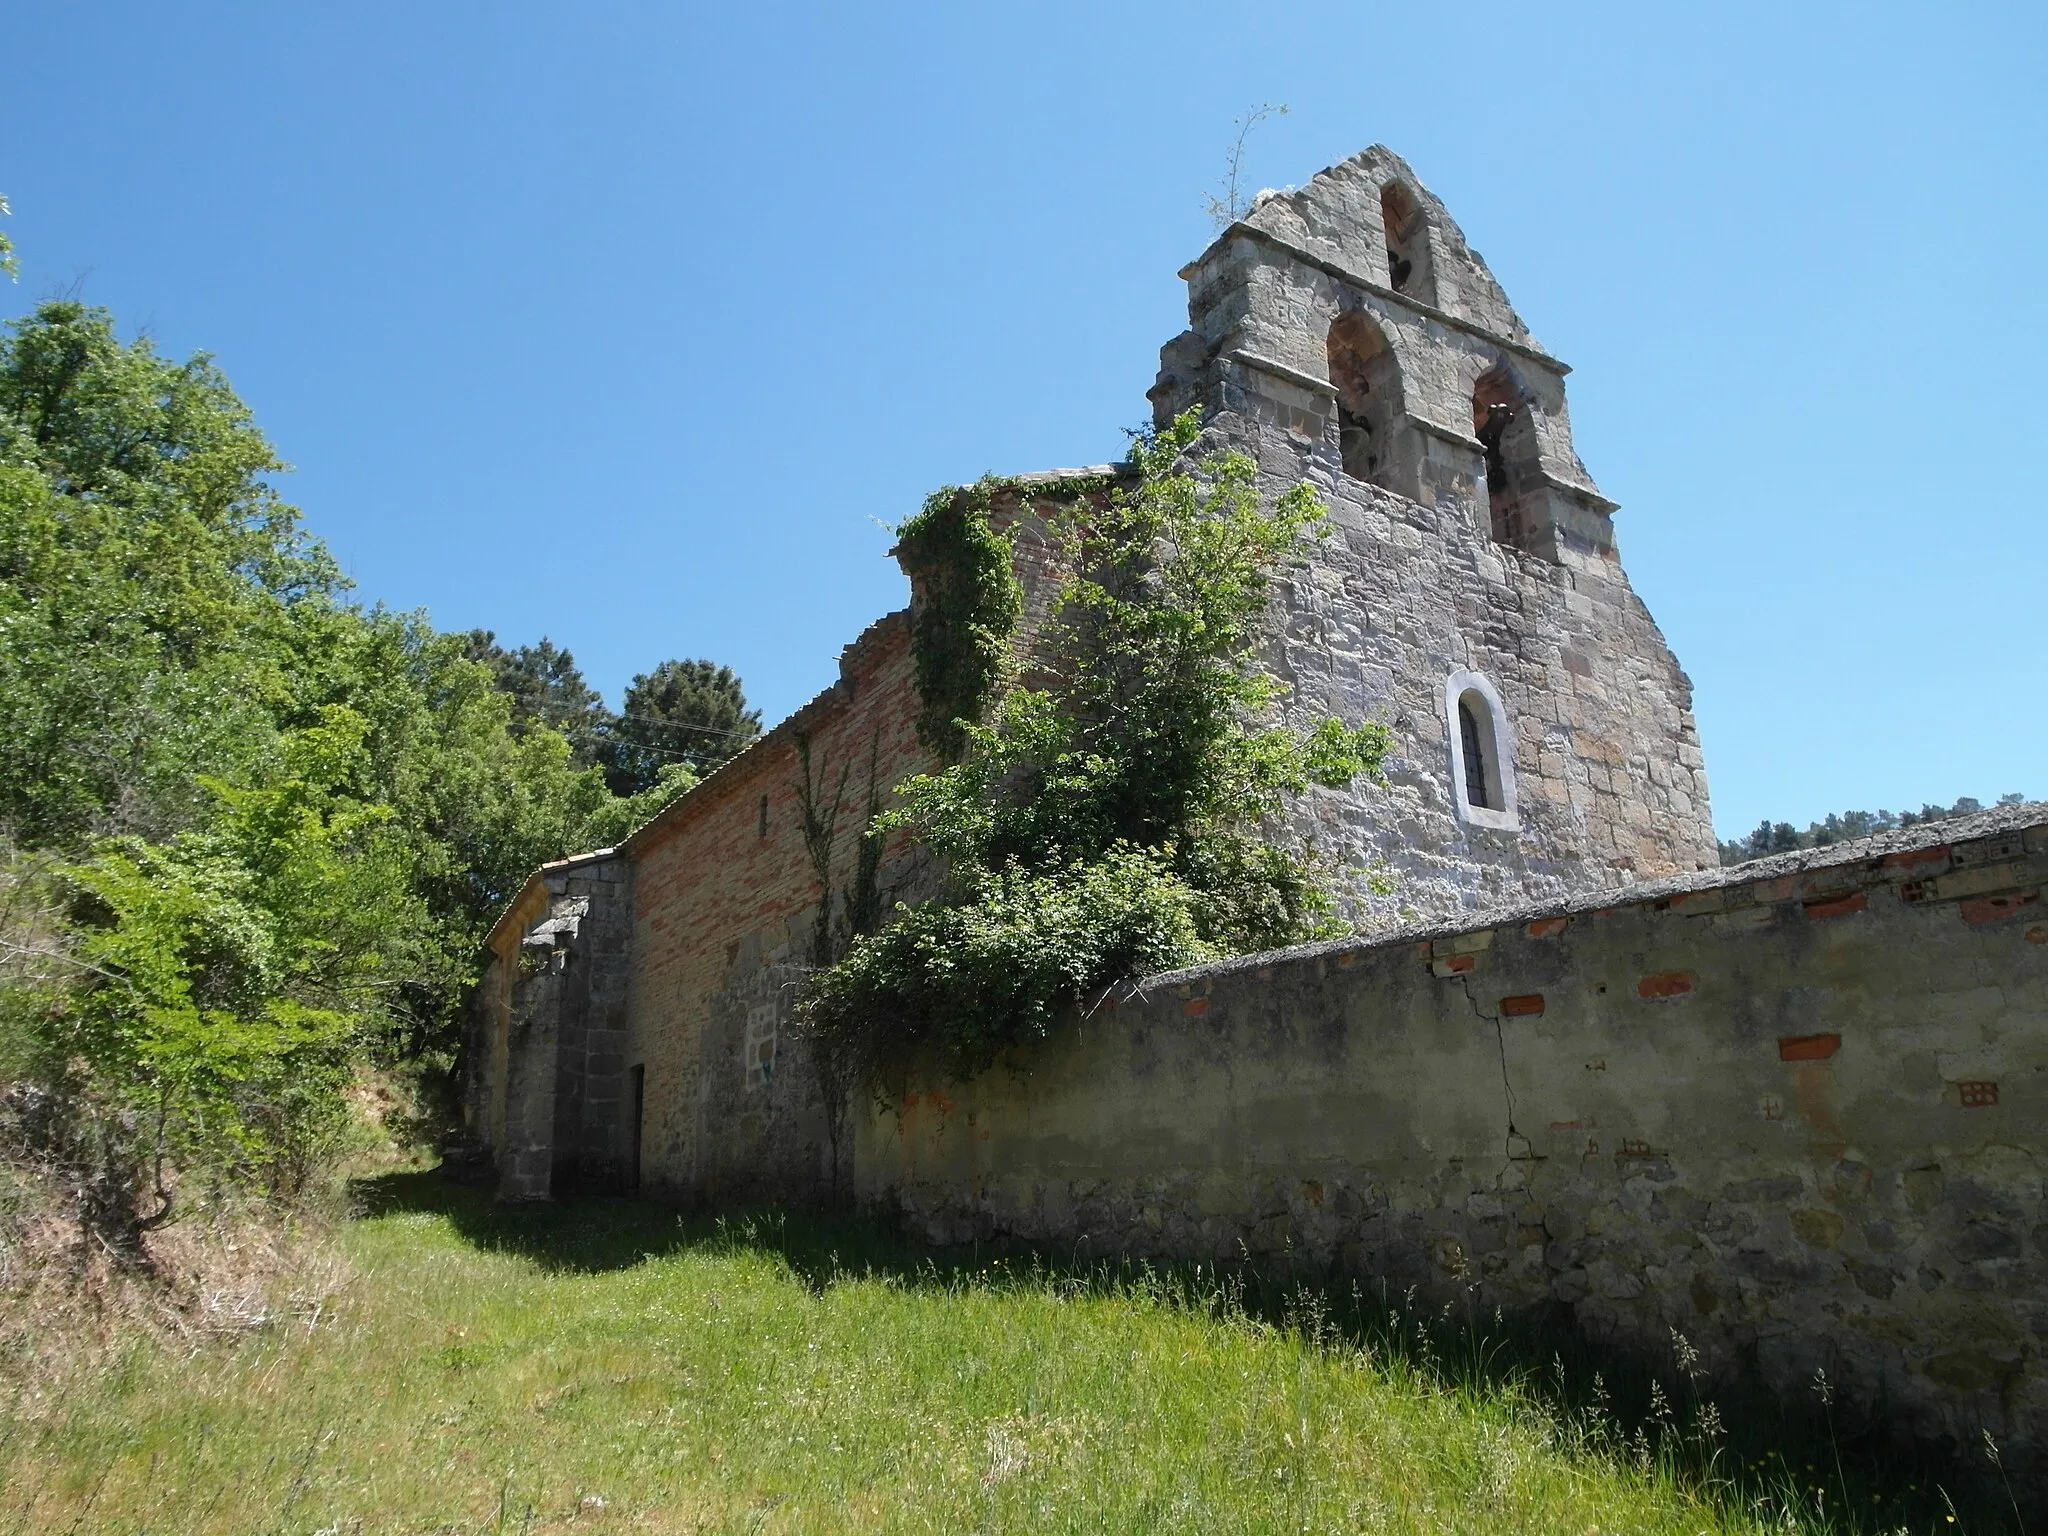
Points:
(679, 956)
(1611, 782)
(1424, 579)
(555, 1000)
(1793, 1110)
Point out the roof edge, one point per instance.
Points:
(780, 732)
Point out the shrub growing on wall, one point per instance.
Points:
(1120, 815)
(967, 611)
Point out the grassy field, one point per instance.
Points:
(612, 1367)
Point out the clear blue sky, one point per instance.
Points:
(634, 324)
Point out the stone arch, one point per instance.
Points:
(1371, 417)
(1411, 271)
(1504, 421)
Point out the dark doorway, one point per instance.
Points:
(638, 1111)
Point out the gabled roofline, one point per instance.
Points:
(790, 725)
(781, 732)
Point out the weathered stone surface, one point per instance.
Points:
(1428, 587)
(1649, 1163)
(549, 1073)
(1437, 565)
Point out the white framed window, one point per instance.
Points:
(758, 1055)
(1482, 753)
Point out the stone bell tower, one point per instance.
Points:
(1470, 594)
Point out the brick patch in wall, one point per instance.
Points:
(1978, 1095)
(1665, 984)
(1918, 858)
(1195, 1007)
(1527, 1006)
(1548, 927)
(1463, 943)
(1990, 850)
(1986, 880)
(1837, 906)
(1808, 1047)
(1990, 909)
(1453, 965)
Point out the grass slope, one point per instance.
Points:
(611, 1367)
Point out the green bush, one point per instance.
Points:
(272, 826)
(1121, 814)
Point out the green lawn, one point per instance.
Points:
(613, 1367)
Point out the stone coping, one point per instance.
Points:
(577, 860)
(1085, 472)
(1865, 858)
(1320, 263)
(1862, 862)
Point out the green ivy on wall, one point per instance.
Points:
(968, 604)
(1120, 811)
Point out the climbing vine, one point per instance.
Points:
(1122, 815)
(968, 605)
(858, 911)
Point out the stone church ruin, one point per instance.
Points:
(1793, 1110)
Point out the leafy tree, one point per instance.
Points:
(484, 803)
(147, 569)
(614, 823)
(683, 711)
(548, 689)
(1121, 814)
(286, 821)
(236, 968)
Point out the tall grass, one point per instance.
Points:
(613, 1366)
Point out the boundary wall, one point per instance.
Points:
(1792, 1110)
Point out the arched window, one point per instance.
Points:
(1472, 736)
(1506, 428)
(1408, 265)
(1482, 753)
(1368, 383)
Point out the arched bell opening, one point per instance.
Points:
(1367, 378)
(1410, 271)
(1505, 423)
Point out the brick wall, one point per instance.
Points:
(724, 897)
(634, 1020)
